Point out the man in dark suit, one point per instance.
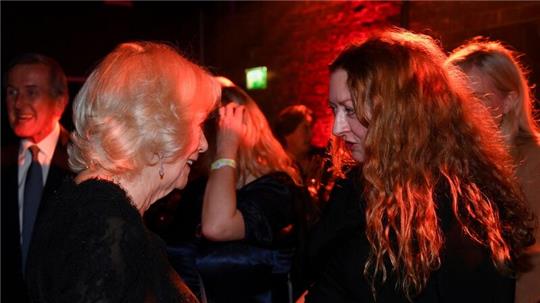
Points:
(36, 96)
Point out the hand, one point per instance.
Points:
(231, 130)
(302, 298)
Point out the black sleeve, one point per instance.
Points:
(267, 207)
(340, 218)
(104, 267)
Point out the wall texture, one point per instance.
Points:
(516, 23)
(455, 21)
(296, 41)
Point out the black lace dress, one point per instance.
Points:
(90, 245)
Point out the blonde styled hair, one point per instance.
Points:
(260, 152)
(427, 133)
(501, 65)
(143, 100)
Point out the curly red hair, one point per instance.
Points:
(427, 129)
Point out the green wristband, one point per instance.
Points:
(219, 163)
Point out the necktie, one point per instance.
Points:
(33, 187)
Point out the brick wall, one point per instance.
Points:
(296, 41)
(455, 21)
(517, 23)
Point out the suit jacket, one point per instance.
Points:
(13, 285)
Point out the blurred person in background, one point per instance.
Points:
(33, 167)
(252, 212)
(499, 80)
(293, 129)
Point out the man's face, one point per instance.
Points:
(299, 141)
(32, 111)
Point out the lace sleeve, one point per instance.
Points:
(92, 246)
(267, 207)
(104, 268)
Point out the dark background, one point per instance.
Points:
(79, 34)
(295, 40)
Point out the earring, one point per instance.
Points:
(161, 171)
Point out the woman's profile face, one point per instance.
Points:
(346, 123)
(181, 168)
(492, 98)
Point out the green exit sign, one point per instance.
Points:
(256, 77)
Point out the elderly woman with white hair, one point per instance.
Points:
(138, 130)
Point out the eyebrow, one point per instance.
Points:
(24, 86)
(340, 101)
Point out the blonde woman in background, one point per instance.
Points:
(251, 207)
(499, 80)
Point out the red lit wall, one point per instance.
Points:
(296, 41)
(516, 23)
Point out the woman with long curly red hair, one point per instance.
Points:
(432, 213)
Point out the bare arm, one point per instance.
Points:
(221, 220)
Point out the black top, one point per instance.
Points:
(91, 246)
(250, 270)
(267, 206)
(338, 249)
(252, 266)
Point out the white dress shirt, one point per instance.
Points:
(46, 151)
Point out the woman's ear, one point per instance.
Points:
(510, 102)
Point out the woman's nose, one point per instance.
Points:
(340, 125)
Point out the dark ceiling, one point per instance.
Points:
(79, 34)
